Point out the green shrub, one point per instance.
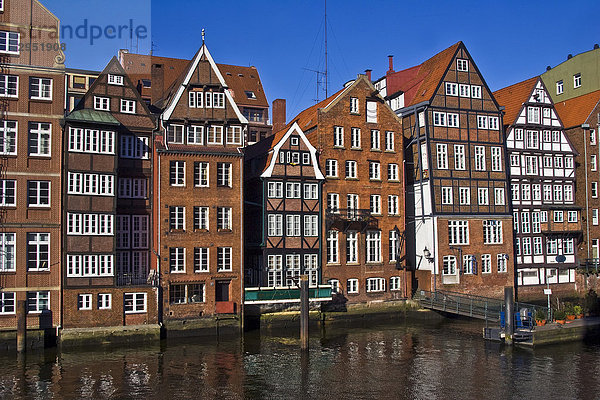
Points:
(591, 305)
(540, 315)
(569, 308)
(560, 314)
(578, 310)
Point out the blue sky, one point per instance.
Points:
(510, 41)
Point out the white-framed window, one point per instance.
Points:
(175, 134)
(9, 42)
(90, 224)
(464, 90)
(224, 259)
(7, 252)
(459, 157)
(572, 216)
(292, 225)
(177, 173)
(201, 174)
(525, 222)
(559, 216)
(592, 136)
(375, 204)
(442, 156)
(537, 246)
(462, 65)
(458, 232)
(453, 120)
(464, 195)
(292, 267)
(224, 218)
(132, 188)
(201, 259)
(526, 192)
(7, 303)
(101, 103)
(9, 84)
(535, 222)
(134, 147)
(594, 189)
(476, 91)
(91, 141)
(594, 216)
(311, 267)
(480, 158)
(375, 285)
(135, 302)
(482, 122)
(389, 141)
(333, 202)
(576, 80)
(393, 172)
(551, 246)
(537, 192)
(374, 170)
(8, 137)
(39, 138)
(352, 203)
(355, 138)
(128, 106)
(373, 241)
(393, 245)
(195, 99)
(84, 301)
(8, 192)
(372, 111)
(439, 118)
(38, 251)
(335, 285)
(177, 259)
(218, 100)
(201, 215)
(275, 270)
(469, 264)
(352, 247)
(449, 265)
(354, 105)
(40, 88)
(215, 134)
(177, 218)
(115, 79)
(483, 196)
(38, 193)
(446, 195)
(275, 225)
(393, 205)
(496, 159)
(451, 89)
(514, 160)
(560, 87)
(293, 190)
(499, 196)
(533, 115)
(493, 123)
(331, 168)
(275, 190)
(568, 246)
(38, 301)
(234, 135)
(375, 139)
(104, 301)
(311, 225)
(311, 191)
(352, 286)
(195, 134)
(492, 232)
(351, 169)
(568, 193)
(486, 263)
(332, 247)
(518, 134)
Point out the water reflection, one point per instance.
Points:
(415, 361)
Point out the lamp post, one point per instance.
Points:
(429, 257)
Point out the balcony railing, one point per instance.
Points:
(138, 279)
(350, 219)
(590, 265)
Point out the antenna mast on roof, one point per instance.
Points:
(326, 92)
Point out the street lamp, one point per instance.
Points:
(429, 257)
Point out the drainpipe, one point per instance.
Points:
(585, 127)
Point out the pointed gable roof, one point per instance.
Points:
(512, 98)
(177, 89)
(576, 111)
(420, 82)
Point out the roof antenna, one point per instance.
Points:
(202, 35)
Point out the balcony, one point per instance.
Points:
(350, 219)
(137, 278)
(589, 266)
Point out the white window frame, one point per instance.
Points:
(128, 106)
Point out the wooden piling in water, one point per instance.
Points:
(21, 326)
(304, 312)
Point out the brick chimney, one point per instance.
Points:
(279, 116)
(368, 73)
(157, 76)
(391, 62)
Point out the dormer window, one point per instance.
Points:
(559, 87)
(250, 94)
(115, 79)
(101, 103)
(462, 65)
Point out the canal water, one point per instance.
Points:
(415, 360)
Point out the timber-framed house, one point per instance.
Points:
(107, 279)
(457, 207)
(199, 209)
(284, 217)
(547, 222)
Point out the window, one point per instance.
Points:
(559, 216)
(572, 216)
(275, 225)
(331, 168)
(354, 105)
(375, 204)
(134, 147)
(223, 259)
(533, 115)
(518, 134)
(177, 218)
(234, 135)
(442, 156)
(464, 90)
(91, 141)
(7, 252)
(499, 196)
(469, 264)
(537, 246)
(352, 204)
(595, 216)
(275, 270)
(375, 285)
(311, 225)
(84, 302)
(351, 168)
(8, 190)
(592, 136)
(569, 162)
(7, 303)
(526, 192)
(394, 246)
(128, 106)
(338, 136)
(375, 139)
(393, 172)
(38, 301)
(496, 159)
(482, 122)
(195, 99)
(483, 197)
(551, 246)
(446, 195)
(355, 138)
(352, 247)
(335, 285)
(373, 241)
(177, 259)
(224, 218)
(576, 81)
(594, 189)
(537, 192)
(372, 111)
(311, 191)
(479, 158)
(568, 246)
(292, 273)
(492, 232)
(462, 65)
(458, 232)
(449, 265)
(332, 247)
(175, 134)
(195, 134)
(559, 87)
(464, 196)
(201, 218)
(9, 84)
(547, 193)
(101, 103)
(333, 202)
(459, 156)
(525, 227)
(389, 141)
(476, 91)
(451, 89)
(568, 193)
(558, 161)
(38, 251)
(224, 174)
(292, 225)
(215, 99)
(439, 118)
(8, 137)
(9, 42)
(292, 190)
(132, 188)
(493, 123)
(177, 173)
(135, 303)
(201, 177)
(201, 259)
(453, 121)
(40, 88)
(374, 170)
(486, 263)
(305, 158)
(39, 138)
(352, 286)
(38, 193)
(393, 205)
(115, 79)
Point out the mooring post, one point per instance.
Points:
(21, 325)
(304, 312)
(509, 316)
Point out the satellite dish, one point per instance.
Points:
(560, 258)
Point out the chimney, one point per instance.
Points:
(391, 62)
(279, 116)
(157, 76)
(368, 73)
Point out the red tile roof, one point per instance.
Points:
(512, 98)
(419, 82)
(577, 110)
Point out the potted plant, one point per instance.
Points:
(559, 316)
(569, 310)
(578, 311)
(540, 318)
